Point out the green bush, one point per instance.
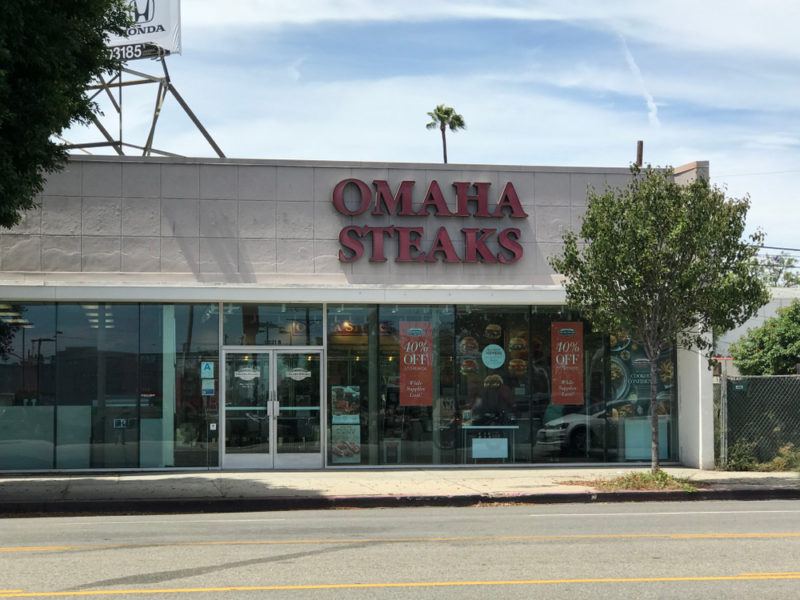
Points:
(742, 457)
(644, 480)
(788, 459)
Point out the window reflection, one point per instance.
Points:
(273, 324)
(494, 355)
(27, 385)
(352, 385)
(416, 386)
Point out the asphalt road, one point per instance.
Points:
(654, 550)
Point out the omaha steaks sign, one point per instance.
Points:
(479, 244)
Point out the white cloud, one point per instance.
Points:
(768, 28)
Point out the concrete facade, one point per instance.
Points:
(228, 221)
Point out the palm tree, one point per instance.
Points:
(443, 117)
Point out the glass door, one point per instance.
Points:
(272, 409)
(298, 408)
(247, 420)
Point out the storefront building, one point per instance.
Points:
(197, 313)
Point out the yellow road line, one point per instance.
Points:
(418, 540)
(35, 548)
(409, 585)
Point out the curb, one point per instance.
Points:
(231, 505)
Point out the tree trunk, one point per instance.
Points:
(444, 144)
(654, 464)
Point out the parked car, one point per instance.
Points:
(569, 432)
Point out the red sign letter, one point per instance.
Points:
(405, 244)
(384, 197)
(443, 244)
(338, 197)
(378, 234)
(481, 198)
(509, 241)
(475, 245)
(352, 243)
(509, 199)
(435, 199)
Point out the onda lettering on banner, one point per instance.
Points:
(353, 197)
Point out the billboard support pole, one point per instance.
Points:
(160, 96)
(195, 120)
(165, 86)
(119, 112)
(114, 144)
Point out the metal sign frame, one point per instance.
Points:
(165, 86)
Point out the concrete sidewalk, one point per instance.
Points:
(205, 491)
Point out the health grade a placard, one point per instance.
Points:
(416, 364)
(206, 369)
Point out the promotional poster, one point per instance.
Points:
(416, 364)
(567, 362)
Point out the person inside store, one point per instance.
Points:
(493, 404)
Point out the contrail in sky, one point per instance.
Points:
(652, 109)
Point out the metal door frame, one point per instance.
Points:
(271, 460)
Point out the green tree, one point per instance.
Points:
(443, 118)
(664, 262)
(49, 51)
(773, 348)
(779, 270)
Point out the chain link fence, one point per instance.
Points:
(757, 417)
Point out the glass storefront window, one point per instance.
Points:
(571, 426)
(494, 386)
(628, 406)
(272, 325)
(126, 385)
(27, 385)
(416, 385)
(97, 385)
(179, 385)
(97, 422)
(505, 385)
(352, 385)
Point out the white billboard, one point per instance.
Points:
(157, 23)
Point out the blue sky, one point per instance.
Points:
(538, 83)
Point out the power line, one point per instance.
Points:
(780, 248)
(758, 173)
